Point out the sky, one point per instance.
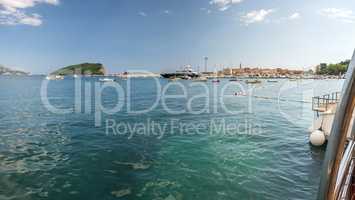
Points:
(39, 36)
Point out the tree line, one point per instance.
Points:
(333, 69)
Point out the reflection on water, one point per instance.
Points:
(49, 156)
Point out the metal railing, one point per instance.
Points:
(322, 103)
(338, 161)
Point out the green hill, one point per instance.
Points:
(81, 69)
(8, 71)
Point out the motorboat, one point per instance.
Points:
(54, 77)
(252, 81)
(240, 94)
(106, 80)
(234, 80)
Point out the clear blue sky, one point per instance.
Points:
(159, 35)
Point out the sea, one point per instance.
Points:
(151, 138)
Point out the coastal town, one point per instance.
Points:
(187, 72)
(240, 72)
(321, 71)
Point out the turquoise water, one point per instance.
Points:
(45, 155)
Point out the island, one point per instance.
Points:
(81, 69)
(11, 72)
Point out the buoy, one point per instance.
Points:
(317, 138)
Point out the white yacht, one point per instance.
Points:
(106, 80)
(186, 73)
(54, 77)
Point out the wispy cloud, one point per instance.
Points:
(256, 16)
(12, 12)
(22, 4)
(344, 15)
(294, 16)
(291, 17)
(143, 14)
(224, 4)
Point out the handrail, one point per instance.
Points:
(338, 137)
(347, 184)
(344, 164)
(346, 178)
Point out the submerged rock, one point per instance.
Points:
(121, 193)
(135, 166)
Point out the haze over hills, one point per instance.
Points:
(81, 69)
(8, 71)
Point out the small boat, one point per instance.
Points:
(252, 81)
(240, 94)
(106, 80)
(272, 81)
(216, 81)
(234, 80)
(55, 77)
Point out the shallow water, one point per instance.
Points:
(45, 155)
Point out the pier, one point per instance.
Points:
(325, 103)
(324, 107)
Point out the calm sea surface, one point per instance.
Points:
(259, 152)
